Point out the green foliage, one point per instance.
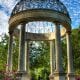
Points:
(39, 54)
(3, 52)
(39, 59)
(2, 75)
(76, 49)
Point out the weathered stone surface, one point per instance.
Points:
(39, 15)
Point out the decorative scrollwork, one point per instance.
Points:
(40, 4)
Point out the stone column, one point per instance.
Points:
(69, 57)
(59, 73)
(52, 59)
(27, 55)
(22, 72)
(22, 55)
(27, 58)
(9, 57)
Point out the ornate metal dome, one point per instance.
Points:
(40, 4)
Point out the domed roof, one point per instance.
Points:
(40, 4)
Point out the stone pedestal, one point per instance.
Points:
(51, 76)
(22, 76)
(59, 76)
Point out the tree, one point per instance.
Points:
(3, 52)
(76, 49)
(39, 59)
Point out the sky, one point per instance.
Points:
(6, 6)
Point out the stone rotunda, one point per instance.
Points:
(41, 20)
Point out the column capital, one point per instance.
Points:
(23, 22)
(10, 32)
(57, 23)
(68, 32)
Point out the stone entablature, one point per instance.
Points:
(40, 36)
(39, 15)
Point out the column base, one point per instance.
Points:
(9, 76)
(23, 76)
(71, 76)
(51, 76)
(59, 76)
